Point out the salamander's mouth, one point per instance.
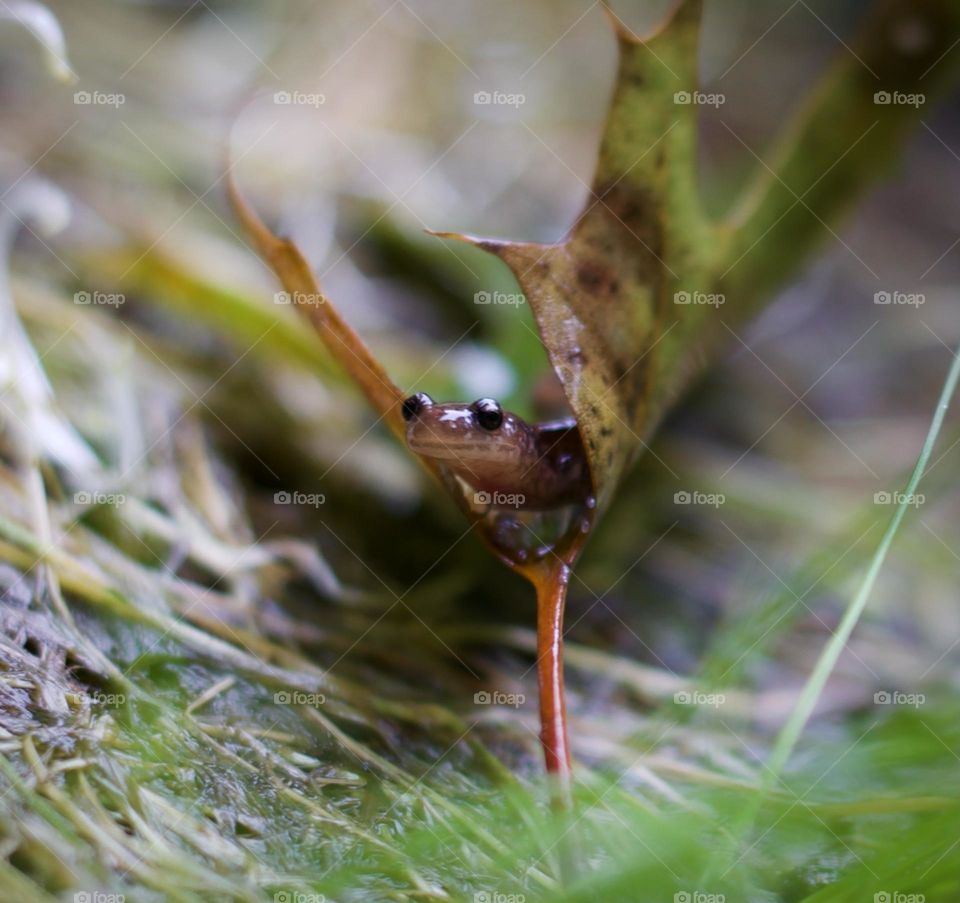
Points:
(450, 433)
(422, 440)
(437, 440)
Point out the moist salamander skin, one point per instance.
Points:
(499, 453)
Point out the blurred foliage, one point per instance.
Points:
(154, 606)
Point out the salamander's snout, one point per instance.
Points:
(473, 439)
(413, 405)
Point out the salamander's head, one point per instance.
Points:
(480, 442)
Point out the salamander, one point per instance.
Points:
(508, 462)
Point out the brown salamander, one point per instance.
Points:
(507, 461)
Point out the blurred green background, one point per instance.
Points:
(148, 747)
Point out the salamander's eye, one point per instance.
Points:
(415, 404)
(488, 413)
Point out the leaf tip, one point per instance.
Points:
(493, 245)
(455, 236)
(623, 33)
(685, 11)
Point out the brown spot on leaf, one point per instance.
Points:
(595, 277)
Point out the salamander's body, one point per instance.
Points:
(508, 462)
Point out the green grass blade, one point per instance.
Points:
(790, 733)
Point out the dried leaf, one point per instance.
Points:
(603, 297)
